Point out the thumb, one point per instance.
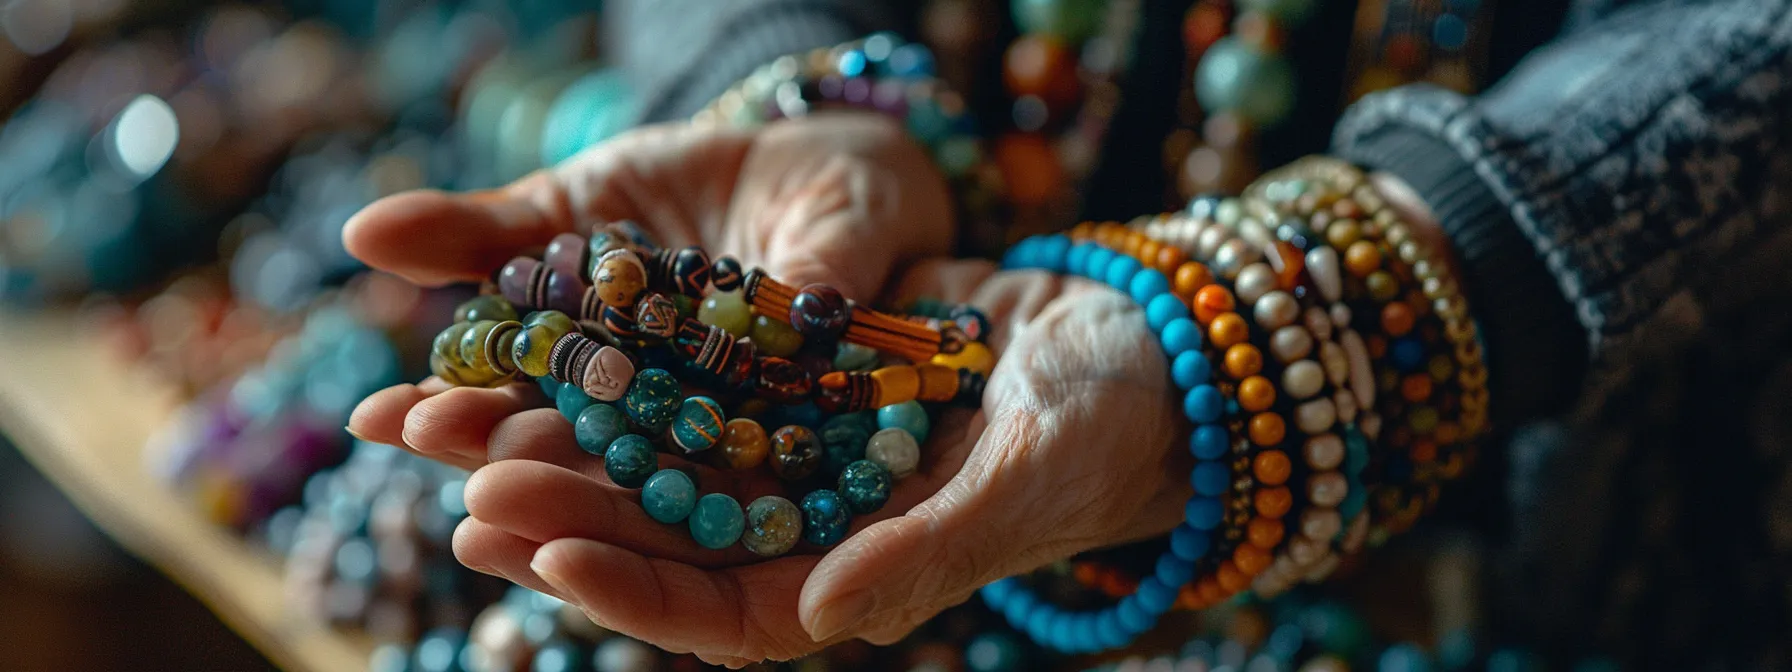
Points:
(435, 238)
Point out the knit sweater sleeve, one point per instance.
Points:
(681, 54)
(1609, 173)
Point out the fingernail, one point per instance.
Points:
(841, 614)
(351, 432)
(541, 570)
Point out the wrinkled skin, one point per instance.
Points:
(1075, 446)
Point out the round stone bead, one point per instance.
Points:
(620, 278)
(717, 521)
(843, 440)
(908, 416)
(865, 485)
(598, 426)
(772, 527)
(1253, 282)
(825, 518)
(690, 271)
(819, 312)
(534, 344)
(1239, 77)
(653, 398)
(994, 652)
(726, 274)
(775, 338)
(729, 311)
(699, 424)
(669, 496)
(488, 307)
(630, 461)
(744, 444)
(896, 450)
(855, 357)
(1276, 309)
(1303, 379)
(572, 401)
(552, 318)
(1291, 343)
(568, 255)
(796, 452)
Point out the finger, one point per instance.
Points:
(543, 502)
(540, 435)
(846, 217)
(380, 417)
(486, 549)
(743, 612)
(459, 421)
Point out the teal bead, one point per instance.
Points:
(773, 526)
(854, 357)
(909, 416)
(994, 652)
(1071, 21)
(717, 521)
(589, 111)
(843, 440)
(669, 496)
(865, 485)
(598, 426)
(572, 401)
(699, 424)
(549, 386)
(630, 461)
(825, 518)
(1404, 658)
(653, 399)
(1235, 76)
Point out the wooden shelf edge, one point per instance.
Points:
(83, 420)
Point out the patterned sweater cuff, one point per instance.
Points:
(752, 39)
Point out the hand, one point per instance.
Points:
(1075, 447)
(840, 199)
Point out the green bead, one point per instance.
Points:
(728, 311)
(472, 346)
(773, 526)
(488, 307)
(775, 338)
(1071, 21)
(571, 401)
(532, 346)
(699, 424)
(865, 485)
(629, 461)
(487, 346)
(598, 426)
(1237, 77)
(686, 306)
(554, 318)
(668, 496)
(652, 399)
(447, 343)
(844, 438)
(717, 521)
(854, 357)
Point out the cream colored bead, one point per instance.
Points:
(1254, 281)
(1303, 379)
(1290, 343)
(1276, 309)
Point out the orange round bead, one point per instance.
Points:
(1274, 502)
(1416, 387)
(1227, 330)
(1271, 466)
(1082, 231)
(1086, 573)
(1148, 252)
(1264, 532)
(1231, 579)
(1251, 559)
(1132, 242)
(1030, 168)
(1447, 433)
(1267, 429)
(1243, 360)
(1170, 260)
(1256, 393)
(1212, 301)
(1423, 452)
(1188, 599)
(1210, 590)
(1108, 234)
(1397, 319)
(1190, 278)
(1362, 258)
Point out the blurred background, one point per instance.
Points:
(182, 338)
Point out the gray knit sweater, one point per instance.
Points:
(1620, 202)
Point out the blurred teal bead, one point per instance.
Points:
(825, 518)
(630, 460)
(717, 521)
(1404, 658)
(699, 424)
(598, 426)
(1235, 76)
(652, 399)
(909, 416)
(865, 485)
(1071, 21)
(669, 496)
(592, 109)
(1289, 12)
(572, 401)
(843, 440)
(994, 652)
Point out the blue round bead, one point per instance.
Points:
(843, 440)
(549, 386)
(1155, 597)
(909, 416)
(630, 461)
(1179, 336)
(1053, 253)
(1062, 630)
(1403, 658)
(558, 656)
(1190, 368)
(1203, 513)
(1078, 257)
(669, 496)
(1019, 606)
(1210, 478)
(1160, 308)
(1108, 630)
(911, 60)
(865, 485)
(825, 518)
(1203, 404)
(852, 63)
(1133, 616)
(699, 424)
(652, 399)
(1407, 354)
(994, 652)
(1039, 623)
(1149, 284)
(1209, 442)
(1120, 272)
(717, 521)
(598, 426)
(572, 401)
(1096, 266)
(1174, 571)
(1189, 543)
